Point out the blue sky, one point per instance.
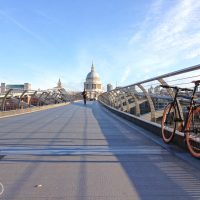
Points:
(128, 40)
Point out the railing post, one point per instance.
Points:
(109, 98)
(45, 99)
(56, 99)
(127, 103)
(105, 98)
(4, 99)
(34, 95)
(152, 108)
(120, 104)
(137, 105)
(20, 98)
(38, 104)
(113, 98)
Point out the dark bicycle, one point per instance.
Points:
(173, 120)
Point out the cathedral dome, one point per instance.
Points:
(93, 85)
(93, 75)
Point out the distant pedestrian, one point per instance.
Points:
(84, 93)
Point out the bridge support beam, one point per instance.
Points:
(47, 95)
(56, 98)
(20, 98)
(40, 97)
(109, 99)
(106, 99)
(112, 98)
(137, 106)
(32, 96)
(152, 108)
(4, 99)
(124, 94)
(119, 99)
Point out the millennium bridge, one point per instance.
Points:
(52, 146)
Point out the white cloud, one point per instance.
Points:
(175, 29)
(125, 74)
(156, 7)
(173, 38)
(21, 26)
(193, 54)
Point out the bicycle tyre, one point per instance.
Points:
(168, 123)
(193, 133)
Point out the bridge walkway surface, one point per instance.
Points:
(78, 152)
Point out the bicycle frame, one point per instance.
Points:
(188, 124)
(183, 124)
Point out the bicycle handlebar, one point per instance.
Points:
(176, 88)
(167, 86)
(186, 89)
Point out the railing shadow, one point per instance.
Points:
(153, 176)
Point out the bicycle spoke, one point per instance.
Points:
(193, 133)
(168, 123)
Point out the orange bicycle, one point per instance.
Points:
(173, 120)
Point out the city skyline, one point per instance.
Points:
(128, 41)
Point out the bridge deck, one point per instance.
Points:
(79, 152)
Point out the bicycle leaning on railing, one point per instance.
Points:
(190, 125)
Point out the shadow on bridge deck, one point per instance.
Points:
(153, 171)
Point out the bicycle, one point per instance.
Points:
(190, 126)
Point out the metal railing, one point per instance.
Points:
(146, 99)
(13, 100)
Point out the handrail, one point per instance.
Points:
(189, 69)
(140, 98)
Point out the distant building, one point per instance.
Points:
(93, 85)
(27, 86)
(59, 86)
(150, 90)
(157, 90)
(15, 87)
(163, 91)
(3, 87)
(109, 87)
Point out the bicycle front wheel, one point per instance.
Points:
(169, 123)
(193, 133)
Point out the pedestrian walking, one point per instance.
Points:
(84, 93)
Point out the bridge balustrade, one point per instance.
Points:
(147, 100)
(11, 100)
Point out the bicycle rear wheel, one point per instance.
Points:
(169, 123)
(193, 133)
